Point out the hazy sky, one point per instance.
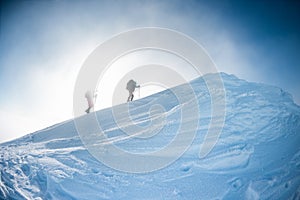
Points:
(44, 43)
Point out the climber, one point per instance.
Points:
(131, 85)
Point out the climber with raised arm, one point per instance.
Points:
(131, 85)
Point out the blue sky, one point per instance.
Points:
(44, 43)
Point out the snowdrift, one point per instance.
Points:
(256, 157)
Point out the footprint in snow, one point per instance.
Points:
(185, 168)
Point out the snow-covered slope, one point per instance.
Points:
(256, 157)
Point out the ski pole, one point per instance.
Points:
(95, 96)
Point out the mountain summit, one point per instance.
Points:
(256, 155)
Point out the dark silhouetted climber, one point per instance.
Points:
(131, 85)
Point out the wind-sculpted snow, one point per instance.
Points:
(256, 157)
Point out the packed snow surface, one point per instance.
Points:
(257, 155)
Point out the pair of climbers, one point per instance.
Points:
(131, 85)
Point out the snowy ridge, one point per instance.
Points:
(257, 155)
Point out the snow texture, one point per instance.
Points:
(256, 157)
